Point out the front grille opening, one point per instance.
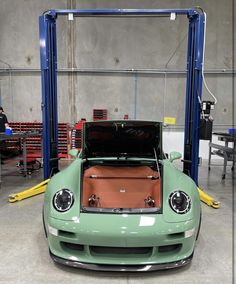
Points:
(121, 250)
(72, 246)
(66, 234)
(170, 248)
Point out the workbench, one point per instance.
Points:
(21, 136)
(224, 151)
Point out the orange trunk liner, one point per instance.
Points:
(121, 187)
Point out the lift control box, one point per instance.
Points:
(206, 126)
(206, 121)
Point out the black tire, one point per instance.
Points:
(44, 227)
(199, 226)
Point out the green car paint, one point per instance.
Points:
(97, 231)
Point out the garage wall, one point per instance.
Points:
(113, 44)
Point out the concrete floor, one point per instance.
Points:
(24, 254)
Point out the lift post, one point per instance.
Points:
(193, 95)
(48, 55)
(48, 58)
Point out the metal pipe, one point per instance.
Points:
(135, 94)
(218, 125)
(72, 78)
(181, 127)
(116, 71)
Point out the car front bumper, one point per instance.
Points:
(83, 245)
(122, 268)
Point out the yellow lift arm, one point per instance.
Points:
(37, 189)
(210, 201)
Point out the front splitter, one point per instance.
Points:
(122, 268)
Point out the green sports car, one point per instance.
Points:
(122, 205)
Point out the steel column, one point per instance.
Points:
(193, 95)
(48, 56)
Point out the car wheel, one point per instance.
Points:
(44, 227)
(199, 226)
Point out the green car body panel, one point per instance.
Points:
(165, 236)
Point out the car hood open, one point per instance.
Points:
(122, 138)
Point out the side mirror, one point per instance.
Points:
(174, 156)
(73, 152)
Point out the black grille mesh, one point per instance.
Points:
(120, 250)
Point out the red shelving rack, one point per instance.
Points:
(76, 135)
(99, 114)
(34, 144)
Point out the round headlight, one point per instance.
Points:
(63, 200)
(180, 202)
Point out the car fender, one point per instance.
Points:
(174, 180)
(68, 178)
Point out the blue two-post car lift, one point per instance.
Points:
(48, 54)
